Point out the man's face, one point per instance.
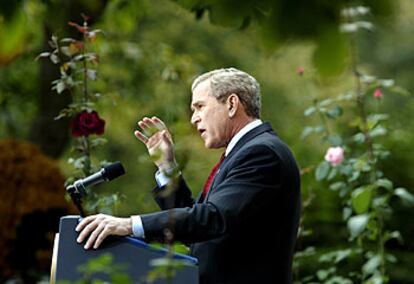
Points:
(210, 117)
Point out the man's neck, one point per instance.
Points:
(239, 125)
(252, 123)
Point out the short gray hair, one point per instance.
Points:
(227, 81)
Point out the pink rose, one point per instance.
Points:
(377, 94)
(334, 155)
(86, 123)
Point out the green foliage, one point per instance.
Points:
(282, 20)
(362, 187)
(149, 54)
(77, 71)
(102, 265)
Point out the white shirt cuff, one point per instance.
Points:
(162, 179)
(137, 228)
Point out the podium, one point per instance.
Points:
(132, 253)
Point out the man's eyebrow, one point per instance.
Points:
(196, 104)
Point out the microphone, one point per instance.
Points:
(107, 173)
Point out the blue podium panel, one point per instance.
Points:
(134, 254)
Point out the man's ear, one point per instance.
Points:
(233, 103)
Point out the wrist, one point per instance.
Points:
(129, 223)
(168, 167)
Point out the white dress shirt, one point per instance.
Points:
(162, 179)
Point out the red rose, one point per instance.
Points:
(86, 123)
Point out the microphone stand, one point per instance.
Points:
(76, 196)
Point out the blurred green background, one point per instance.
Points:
(149, 54)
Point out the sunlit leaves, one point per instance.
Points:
(361, 198)
(357, 224)
(355, 26)
(371, 265)
(405, 196)
(336, 256)
(384, 183)
(322, 171)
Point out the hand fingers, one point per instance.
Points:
(84, 222)
(141, 136)
(104, 233)
(159, 123)
(161, 126)
(146, 128)
(96, 232)
(153, 131)
(86, 231)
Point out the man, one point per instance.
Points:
(243, 226)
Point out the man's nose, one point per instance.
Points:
(195, 118)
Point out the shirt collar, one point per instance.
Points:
(255, 123)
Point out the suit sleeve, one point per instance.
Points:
(175, 195)
(252, 183)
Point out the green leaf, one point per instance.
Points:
(309, 111)
(385, 183)
(97, 142)
(323, 274)
(359, 138)
(306, 132)
(332, 174)
(337, 185)
(326, 102)
(60, 87)
(335, 140)
(346, 213)
(67, 39)
(380, 201)
(399, 91)
(354, 176)
(386, 83)
(405, 196)
(42, 55)
(357, 224)
(361, 198)
(322, 171)
(180, 248)
(54, 58)
(334, 112)
(120, 278)
(378, 131)
(319, 129)
(91, 74)
(371, 265)
(393, 235)
(335, 256)
(355, 11)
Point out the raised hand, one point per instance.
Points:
(155, 135)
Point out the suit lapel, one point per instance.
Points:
(265, 127)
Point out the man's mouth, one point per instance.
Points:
(201, 131)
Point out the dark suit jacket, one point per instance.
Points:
(245, 229)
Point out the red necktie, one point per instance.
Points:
(211, 176)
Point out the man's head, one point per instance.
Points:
(224, 101)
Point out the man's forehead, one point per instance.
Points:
(201, 92)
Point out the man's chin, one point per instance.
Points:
(208, 144)
(211, 145)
